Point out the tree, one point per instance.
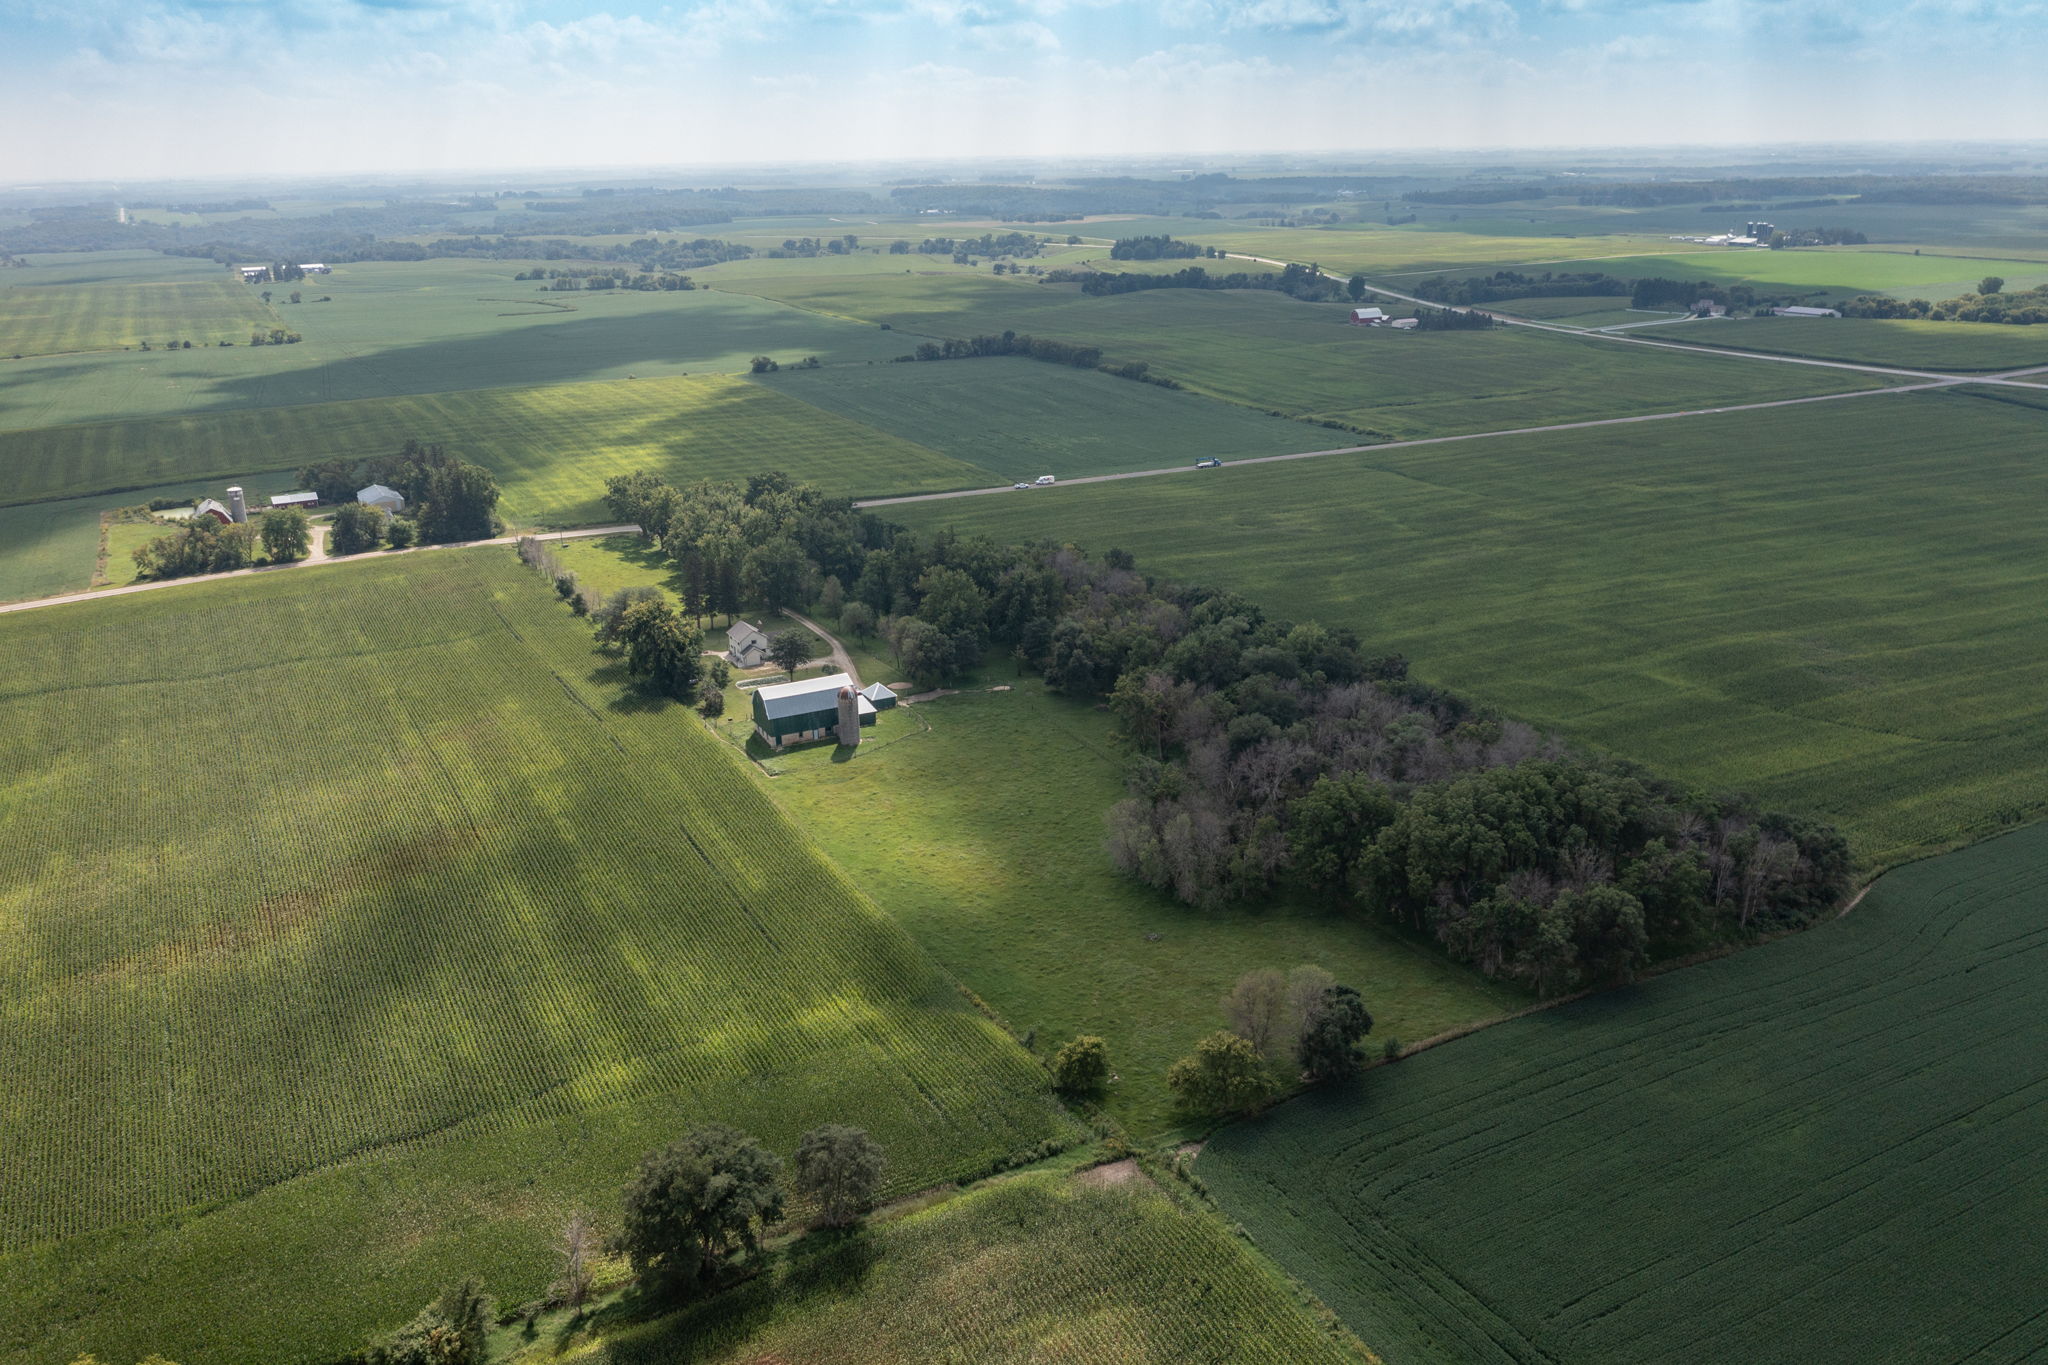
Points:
(775, 573)
(452, 1330)
(831, 596)
(357, 527)
(287, 535)
(791, 650)
(578, 1250)
(1355, 287)
(840, 1169)
(663, 651)
(711, 699)
(1305, 987)
(1329, 1044)
(459, 502)
(694, 1203)
(400, 533)
(761, 364)
(859, 618)
(1081, 1067)
(1256, 1010)
(1223, 1075)
(1991, 284)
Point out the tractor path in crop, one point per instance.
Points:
(323, 559)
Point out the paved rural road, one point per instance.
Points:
(839, 655)
(370, 558)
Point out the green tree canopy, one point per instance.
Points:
(1082, 1066)
(1223, 1075)
(696, 1202)
(356, 527)
(664, 651)
(840, 1169)
(287, 534)
(1330, 1035)
(791, 649)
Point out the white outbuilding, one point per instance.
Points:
(377, 495)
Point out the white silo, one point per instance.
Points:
(849, 717)
(237, 507)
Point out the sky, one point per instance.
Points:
(153, 89)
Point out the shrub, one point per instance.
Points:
(1082, 1066)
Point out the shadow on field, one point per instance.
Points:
(810, 1275)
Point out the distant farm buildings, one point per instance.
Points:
(746, 645)
(816, 708)
(215, 508)
(316, 268)
(295, 500)
(1369, 317)
(377, 495)
(1801, 311)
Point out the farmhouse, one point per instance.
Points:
(377, 495)
(1801, 311)
(295, 500)
(746, 645)
(814, 709)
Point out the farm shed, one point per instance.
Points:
(746, 645)
(1405, 324)
(1368, 317)
(377, 495)
(295, 500)
(802, 712)
(879, 696)
(1801, 311)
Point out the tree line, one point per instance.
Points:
(1512, 284)
(446, 498)
(1991, 303)
(603, 277)
(1297, 281)
(1159, 248)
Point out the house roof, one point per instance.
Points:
(801, 698)
(740, 632)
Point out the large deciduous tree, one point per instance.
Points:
(664, 651)
(287, 535)
(695, 1203)
(840, 1170)
(1223, 1075)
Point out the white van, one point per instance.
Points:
(1042, 480)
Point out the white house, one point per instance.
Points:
(377, 495)
(746, 645)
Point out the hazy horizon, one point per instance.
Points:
(177, 89)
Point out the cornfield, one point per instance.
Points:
(381, 863)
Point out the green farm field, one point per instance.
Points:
(1026, 1270)
(436, 933)
(1018, 418)
(551, 447)
(1834, 606)
(403, 328)
(967, 864)
(1827, 1148)
(1302, 360)
(1836, 271)
(1375, 249)
(1948, 346)
(94, 301)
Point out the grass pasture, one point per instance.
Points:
(433, 933)
(1822, 1149)
(95, 301)
(1017, 418)
(1026, 1269)
(1833, 606)
(969, 865)
(551, 447)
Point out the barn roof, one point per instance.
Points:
(802, 698)
(294, 499)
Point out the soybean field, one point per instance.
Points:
(362, 914)
(1956, 347)
(1833, 606)
(1827, 1148)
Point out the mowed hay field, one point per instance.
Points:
(97, 300)
(1276, 354)
(413, 933)
(1828, 1148)
(551, 447)
(1099, 1267)
(1016, 418)
(1835, 606)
